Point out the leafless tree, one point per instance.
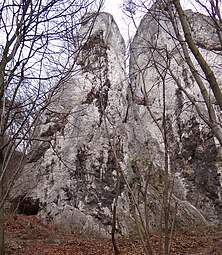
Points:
(38, 47)
(190, 48)
(163, 60)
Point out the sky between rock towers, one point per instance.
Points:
(125, 24)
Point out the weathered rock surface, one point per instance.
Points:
(73, 170)
(156, 64)
(100, 123)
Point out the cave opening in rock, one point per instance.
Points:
(26, 205)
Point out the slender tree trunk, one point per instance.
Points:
(1, 201)
(1, 217)
(198, 56)
(115, 246)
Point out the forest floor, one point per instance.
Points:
(26, 235)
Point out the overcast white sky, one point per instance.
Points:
(114, 7)
(125, 25)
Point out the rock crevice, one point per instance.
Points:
(102, 124)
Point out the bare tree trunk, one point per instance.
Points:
(1, 201)
(115, 246)
(198, 56)
(1, 214)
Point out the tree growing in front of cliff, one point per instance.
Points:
(38, 46)
(190, 48)
(196, 66)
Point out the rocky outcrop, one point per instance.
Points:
(73, 169)
(102, 137)
(159, 106)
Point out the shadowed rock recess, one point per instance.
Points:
(101, 123)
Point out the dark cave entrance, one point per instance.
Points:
(25, 205)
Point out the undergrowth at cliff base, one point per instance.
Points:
(27, 235)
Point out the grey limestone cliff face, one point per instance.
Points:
(100, 122)
(156, 66)
(73, 172)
